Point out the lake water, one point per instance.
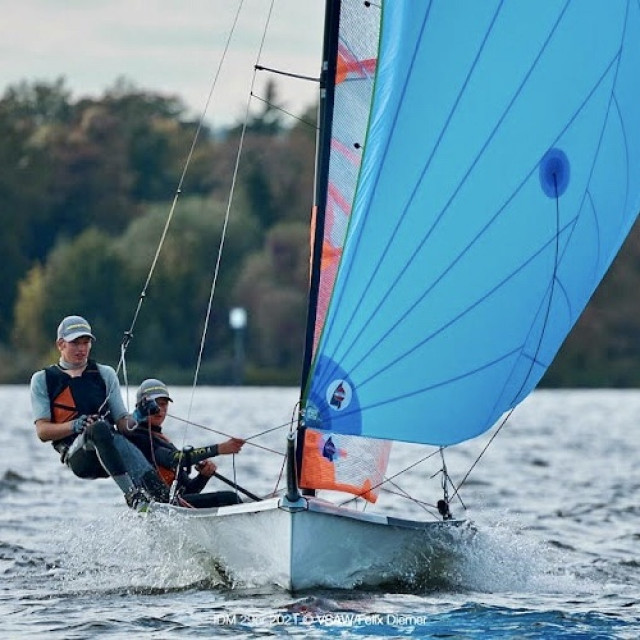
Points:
(555, 501)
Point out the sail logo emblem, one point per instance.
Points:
(339, 394)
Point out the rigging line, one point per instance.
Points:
(128, 335)
(298, 76)
(255, 435)
(402, 493)
(292, 422)
(288, 113)
(226, 222)
(476, 160)
(280, 475)
(226, 435)
(390, 478)
(554, 277)
(125, 376)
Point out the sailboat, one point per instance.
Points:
(478, 171)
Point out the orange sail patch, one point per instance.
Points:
(319, 472)
(350, 66)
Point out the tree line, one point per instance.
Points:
(86, 190)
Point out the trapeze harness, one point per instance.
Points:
(71, 397)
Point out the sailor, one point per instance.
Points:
(152, 403)
(76, 403)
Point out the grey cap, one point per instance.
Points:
(151, 389)
(73, 327)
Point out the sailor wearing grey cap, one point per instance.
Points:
(171, 463)
(152, 389)
(76, 404)
(73, 327)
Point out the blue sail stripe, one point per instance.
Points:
(472, 306)
(349, 413)
(626, 147)
(480, 230)
(334, 355)
(596, 222)
(353, 369)
(518, 395)
(534, 358)
(337, 298)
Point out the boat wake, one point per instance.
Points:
(502, 557)
(160, 553)
(133, 553)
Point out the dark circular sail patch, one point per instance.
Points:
(332, 403)
(555, 172)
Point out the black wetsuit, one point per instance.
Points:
(166, 457)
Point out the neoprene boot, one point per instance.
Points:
(137, 499)
(156, 488)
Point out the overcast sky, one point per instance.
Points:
(170, 46)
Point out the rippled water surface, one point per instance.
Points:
(554, 499)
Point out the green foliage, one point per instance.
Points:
(87, 189)
(81, 277)
(272, 287)
(604, 347)
(175, 304)
(93, 233)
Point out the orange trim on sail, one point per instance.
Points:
(330, 255)
(347, 64)
(319, 473)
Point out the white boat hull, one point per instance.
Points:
(313, 543)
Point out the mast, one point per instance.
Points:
(323, 152)
(325, 118)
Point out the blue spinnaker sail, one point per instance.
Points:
(500, 176)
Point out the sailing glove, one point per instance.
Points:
(79, 424)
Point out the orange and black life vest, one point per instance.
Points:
(156, 448)
(71, 397)
(168, 475)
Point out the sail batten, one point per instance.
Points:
(499, 178)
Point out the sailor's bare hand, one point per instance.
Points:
(206, 468)
(232, 445)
